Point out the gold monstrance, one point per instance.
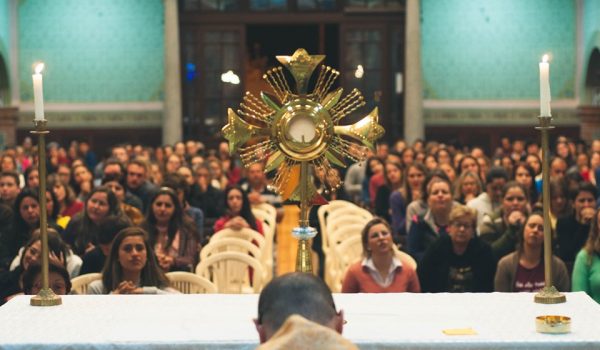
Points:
(293, 131)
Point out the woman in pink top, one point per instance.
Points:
(382, 270)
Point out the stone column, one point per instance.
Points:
(8, 126)
(414, 126)
(590, 122)
(171, 125)
(13, 18)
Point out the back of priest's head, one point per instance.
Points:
(296, 294)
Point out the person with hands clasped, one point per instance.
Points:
(131, 267)
(523, 270)
(239, 214)
(501, 228)
(30, 255)
(173, 234)
(572, 230)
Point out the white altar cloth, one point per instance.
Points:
(375, 321)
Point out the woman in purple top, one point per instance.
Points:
(523, 270)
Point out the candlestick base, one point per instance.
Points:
(550, 295)
(46, 297)
(304, 255)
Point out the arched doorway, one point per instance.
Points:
(592, 77)
(589, 111)
(8, 115)
(4, 85)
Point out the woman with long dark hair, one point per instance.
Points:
(82, 231)
(238, 212)
(525, 175)
(523, 270)
(173, 234)
(393, 175)
(67, 201)
(82, 181)
(27, 215)
(131, 267)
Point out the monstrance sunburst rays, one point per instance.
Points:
(293, 130)
(291, 127)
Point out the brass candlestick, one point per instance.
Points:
(46, 296)
(295, 130)
(548, 295)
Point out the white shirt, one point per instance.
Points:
(381, 280)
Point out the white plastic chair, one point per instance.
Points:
(324, 210)
(79, 284)
(230, 244)
(267, 208)
(267, 214)
(337, 222)
(229, 272)
(245, 233)
(354, 211)
(341, 233)
(324, 213)
(346, 253)
(189, 283)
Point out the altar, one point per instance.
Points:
(217, 321)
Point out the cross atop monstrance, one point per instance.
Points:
(296, 130)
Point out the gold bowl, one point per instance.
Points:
(553, 324)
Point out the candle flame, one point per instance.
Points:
(545, 58)
(39, 68)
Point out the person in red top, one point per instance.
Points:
(66, 199)
(382, 270)
(238, 212)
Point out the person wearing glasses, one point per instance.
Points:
(382, 269)
(458, 262)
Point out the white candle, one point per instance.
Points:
(545, 87)
(38, 92)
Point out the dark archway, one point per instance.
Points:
(4, 85)
(592, 77)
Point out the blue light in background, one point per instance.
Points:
(190, 71)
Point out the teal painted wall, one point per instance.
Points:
(4, 34)
(94, 51)
(591, 30)
(480, 50)
(591, 24)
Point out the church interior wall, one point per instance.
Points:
(105, 59)
(591, 40)
(4, 57)
(104, 62)
(480, 61)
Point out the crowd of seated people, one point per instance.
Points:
(469, 220)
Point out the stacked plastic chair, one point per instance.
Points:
(339, 221)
